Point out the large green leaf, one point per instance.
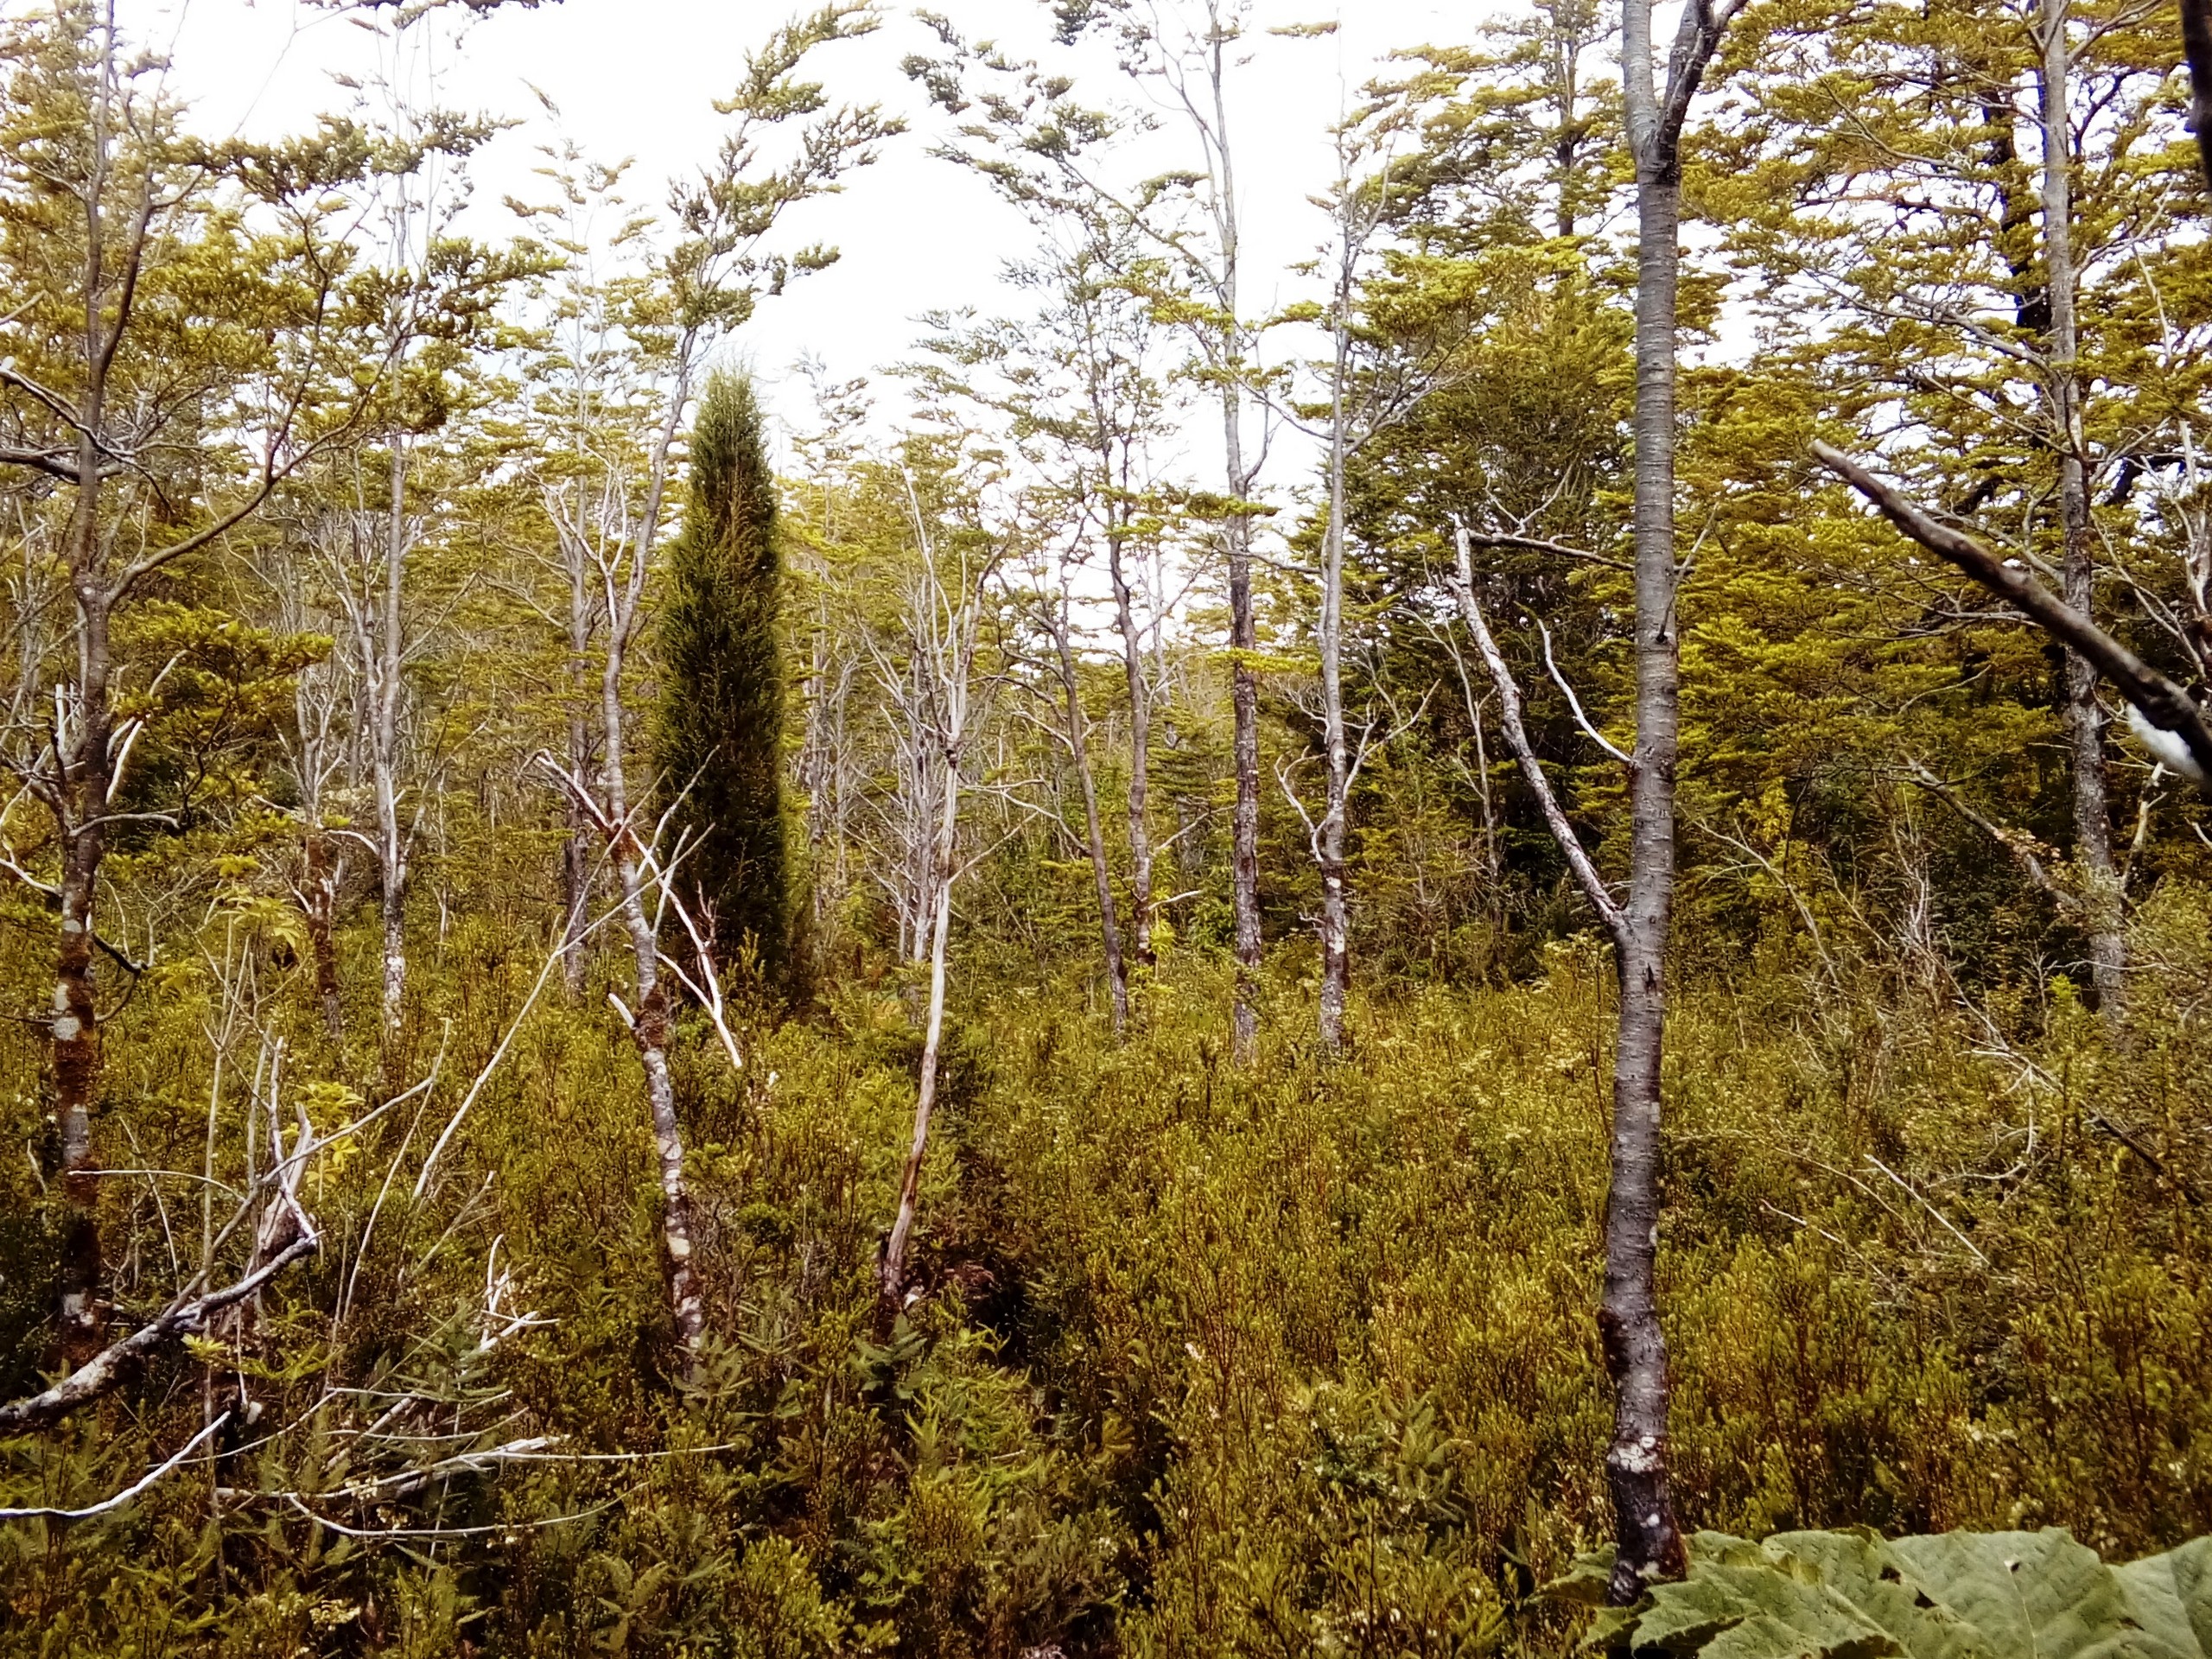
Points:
(1851, 1595)
(1744, 1602)
(2032, 1595)
(1861, 1568)
(2171, 1597)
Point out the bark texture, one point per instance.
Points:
(649, 1030)
(2085, 720)
(1117, 968)
(1648, 1539)
(319, 904)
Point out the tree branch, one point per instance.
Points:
(128, 1492)
(2021, 847)
(51, 462)
(1517, 738)
(107, 1369)
(1575, 702)
(1538, 544)
(2166, 705)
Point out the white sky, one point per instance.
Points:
(636, 78)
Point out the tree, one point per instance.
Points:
(1989, 244)
(720, 739)
(1649, 1541)
(1372, 379)
(609, 462)
(929, 680)
(1189, 59)
(1077, 381)
(161, 331)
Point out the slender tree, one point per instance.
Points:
(721, 740)
(1648, 1538)
(929, 680)
(616, 417)
(111, 369)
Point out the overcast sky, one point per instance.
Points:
(637, 79)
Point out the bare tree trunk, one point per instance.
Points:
(384, 756)
(910, 1179)
(575, 852)
(320, 903)
(1650, 1543)
(649, 1024)
(1649, 1539)
(1245, 824)
(1117, 972)
(1141, 859)
(75, 1028)
(2085, 720)
(1243, 632)
(1329, 834)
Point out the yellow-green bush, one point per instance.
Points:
(1290, 1358)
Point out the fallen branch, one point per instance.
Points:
(2156, 1165)
(107, 1369)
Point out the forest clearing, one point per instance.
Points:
(1494, 940)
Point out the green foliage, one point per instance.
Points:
(1955, 1595)
(721, 727)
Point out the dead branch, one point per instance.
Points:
(1517, 738)
(2161, 702)
(108, 1367)
(128, 1492)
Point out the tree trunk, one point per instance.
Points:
(575, 849)
(1649, 1541)
(1244, 700)
(1117, 972)
(384, 760)
(1139, 742)
(1243, 633)
(1330, 834)
(77, 1069)
(2085, 720)
(648, 1027)
(392, 909)
(576, 897)
(320, 896)
(82, 792)
(910, 1180)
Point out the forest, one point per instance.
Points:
(1495, 944)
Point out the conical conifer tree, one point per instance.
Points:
(722, 726)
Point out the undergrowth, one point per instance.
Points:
(1207, 1361)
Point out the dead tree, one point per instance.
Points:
(933, 697)
(2085, 720)
(365, 552)
(1056, 611)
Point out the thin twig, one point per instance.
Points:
(128, 1492)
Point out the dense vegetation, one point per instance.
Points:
(1016, 1029)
